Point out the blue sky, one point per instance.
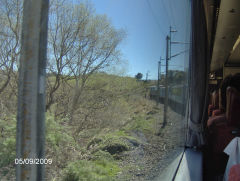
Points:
(147, 23)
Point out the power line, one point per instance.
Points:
(155, 18)
(174, 65)
(170, 16)
(171, 11)
(179, 53)
(165, 9)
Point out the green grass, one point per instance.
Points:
(68, 149)
(57, 135)
(91, 170)
(140, 123)
(112, 142)
(7, 141)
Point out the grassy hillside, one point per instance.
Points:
(110, 110)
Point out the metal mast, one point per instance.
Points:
(31, 89)
(168, 57)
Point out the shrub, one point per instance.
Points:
(7, 142)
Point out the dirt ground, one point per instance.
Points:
(148, 160)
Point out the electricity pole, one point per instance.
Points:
(168, 57)
(166, 84)
(31, 90)
(170, 35)
(147, 74)
(159, 77)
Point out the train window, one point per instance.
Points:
(102, 88)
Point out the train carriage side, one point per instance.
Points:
(214, 69)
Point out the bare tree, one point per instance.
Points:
(80, 43)
(99, 50)
(66, 22)
(10, 25)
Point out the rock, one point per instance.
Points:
(133, 142)
(139, 174)
(115, 148)
(151, 112)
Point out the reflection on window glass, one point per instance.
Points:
(116, 87)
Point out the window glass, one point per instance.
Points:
(116, 87)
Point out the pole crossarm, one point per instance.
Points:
(178, 42)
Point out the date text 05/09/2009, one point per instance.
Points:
(31, 161)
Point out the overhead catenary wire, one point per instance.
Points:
(155, 18)
(172, 13)
(171, 20)
(179, 53)
(163, 33)
(165, 9)
(173, 65)
(169, 13)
